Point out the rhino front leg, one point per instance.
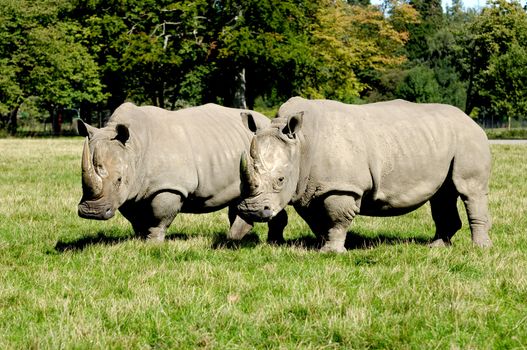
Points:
(151, 219)
(165, 207)
(340, 210)
(276, 228)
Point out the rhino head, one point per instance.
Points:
(270, 171)
(106, 170)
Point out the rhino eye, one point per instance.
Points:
(281, 179)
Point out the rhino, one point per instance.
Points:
(151, 164)
(333, 161)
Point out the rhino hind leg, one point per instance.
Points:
(471, 179)
(445, 215)
(479, 219)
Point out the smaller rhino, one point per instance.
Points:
(333, 161)
(151, 164)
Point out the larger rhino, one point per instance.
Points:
(151, 164)
(333, 161)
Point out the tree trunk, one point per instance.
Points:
(240, 100)
(12, 124)
(470, 89)
(56, 119)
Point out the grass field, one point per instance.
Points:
(69, 283)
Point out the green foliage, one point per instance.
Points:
(66, 282)
(506, 84)
(95, 54)
(498, 36)
(353, 41)
(40, 55)
(419, 85)
(61, 73)
(10, 91)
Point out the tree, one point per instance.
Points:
(350, 43)
(419, 85)
(506, 84)
(268, 40)
(501, 26)
(42, 57)
(148, 50)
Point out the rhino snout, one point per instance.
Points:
(256, 212)
(95, 211)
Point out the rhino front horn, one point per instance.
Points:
(92, 183)
(246, 170)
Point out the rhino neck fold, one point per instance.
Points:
(308, 140)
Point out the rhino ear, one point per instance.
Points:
(294, 124)
(84, 129)
(123, 133)
(249, 122)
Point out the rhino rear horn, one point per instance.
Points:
(91, 182)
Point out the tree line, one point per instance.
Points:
(91, 55)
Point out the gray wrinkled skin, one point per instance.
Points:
(333, 161)
(151, 164)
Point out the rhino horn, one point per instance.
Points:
(247, 171)
(91, 181)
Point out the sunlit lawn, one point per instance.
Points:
(66, 282)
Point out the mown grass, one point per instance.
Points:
(70, 283)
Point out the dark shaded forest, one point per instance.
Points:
(61, 59)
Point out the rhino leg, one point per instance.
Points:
(471, 179)
(165, 207)
(339, 211)
(276, 228)
(151, 219)
(445, 215)
(239, 227)
(479, 219)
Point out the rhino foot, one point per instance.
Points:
(482, 241)
(156, 236)
(440, 242)
(328, 248)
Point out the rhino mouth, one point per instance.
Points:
(260, 214)
(95, 210)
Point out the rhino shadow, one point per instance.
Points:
(82, 243)
(102, 238)
(220, 241)
(357, 241)
(177, 236)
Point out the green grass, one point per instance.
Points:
(71, 283)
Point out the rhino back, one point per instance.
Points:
(394, 154)
(193, 151)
